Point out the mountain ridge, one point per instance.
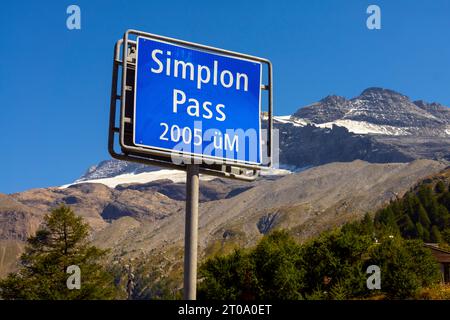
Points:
(379, 106)
(379, 126)
(138, 210)
(140, 220)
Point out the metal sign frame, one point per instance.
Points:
(125, 58)
(161, 158)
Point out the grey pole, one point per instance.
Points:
(191, 232)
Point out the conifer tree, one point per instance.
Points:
(409, 229)
(60, 243)
(423, 218)
(420, 230)
(435, 235)
(425, 195)
(440, 187)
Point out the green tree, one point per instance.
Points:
(278, 267)
(367, 224)
(422, 263)
(446, 235)
(423, 218)
(272, 270)
(405, 265)
(436, 235)
(440, 187)
(336, 258)
(397, 208)
(409, 229)
(417, 213)
(419, 230)
(331, 266)
(364, 227)
(230, 277)
(425, 195)
(386, 220)
(60, 243)
(445, 200)
(411, 207)
(432, 211)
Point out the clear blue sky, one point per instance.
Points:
(55, 83)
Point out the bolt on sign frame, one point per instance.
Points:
(123, 90)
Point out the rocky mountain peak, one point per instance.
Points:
(328, 109)
(435, 109)
(380, 107)
(381, 93)
(112, 168)
(333, 99)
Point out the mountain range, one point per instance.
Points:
(388, 111)
(378, 126)
(345, 157)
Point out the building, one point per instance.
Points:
(443, 258)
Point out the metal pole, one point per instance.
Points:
(191, 232)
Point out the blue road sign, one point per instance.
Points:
(197, 102)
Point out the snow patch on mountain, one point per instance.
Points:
(364, 127)
(144, 177)
(289, 119)
(358, 127)
(176, 176)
